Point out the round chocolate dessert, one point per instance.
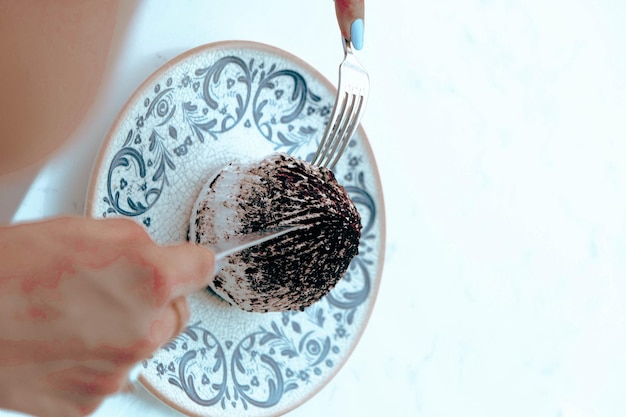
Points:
(294, 270)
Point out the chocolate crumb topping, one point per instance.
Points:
(292, 271)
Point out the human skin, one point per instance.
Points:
(54, 55)
(82, 301)
(347, 12)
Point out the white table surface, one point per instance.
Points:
(499, 127)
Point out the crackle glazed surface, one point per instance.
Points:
(204, 109)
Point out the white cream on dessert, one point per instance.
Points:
(290, 272)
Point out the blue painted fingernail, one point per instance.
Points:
(356, 34)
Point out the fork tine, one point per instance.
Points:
(354, 119)
(337, 132)
(341, 128)
(330, 131)
(346, 114)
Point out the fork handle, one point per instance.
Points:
(347, 46)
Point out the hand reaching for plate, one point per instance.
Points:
(81, 301)
(350, 15)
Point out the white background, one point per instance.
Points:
(499, 128)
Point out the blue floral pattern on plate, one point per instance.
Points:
(204, 109)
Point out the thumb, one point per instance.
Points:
(195, 265)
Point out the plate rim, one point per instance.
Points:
(276, 51)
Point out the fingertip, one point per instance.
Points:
(356, 34)
(351, 17)
(204, 257)
(170, 322)
(182, 313)
(197, 267)
(206, 264)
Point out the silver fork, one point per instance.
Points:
(354, 85)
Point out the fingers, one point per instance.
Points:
(175, 271)
(170, 322)
(190, 267)
(115, 269)
(351, 16)
(83, 381)
(185, 267)
(83, 388)
(180, 310)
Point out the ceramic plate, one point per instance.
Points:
(200, 111)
